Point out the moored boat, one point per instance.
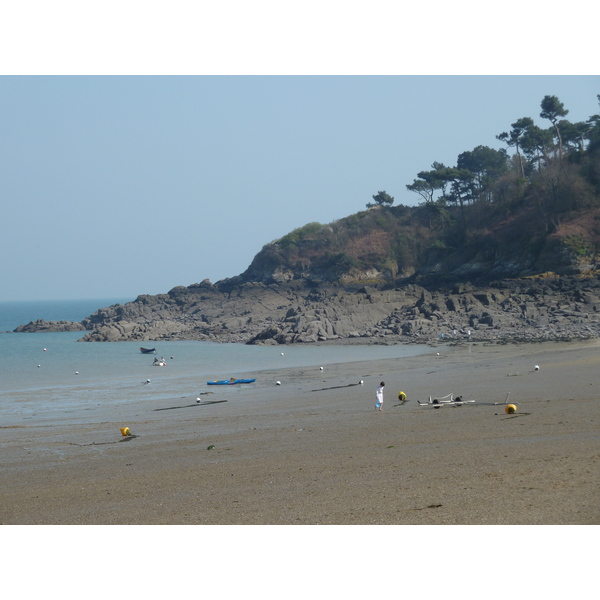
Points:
(231, 381)
(148, 350)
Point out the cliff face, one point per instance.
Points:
(399, 245)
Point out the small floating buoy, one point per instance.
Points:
(197, 399)
(282, 354)
(361, 382)
(39, 366)
(536, 368)
(402, 397)
(510, 409)
(278, 383)
(44, 349)
(320, 368)
(125, 431)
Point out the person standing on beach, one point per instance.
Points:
(379, 396)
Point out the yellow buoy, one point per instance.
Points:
(402, 396)
(510, 409)
(125, 431)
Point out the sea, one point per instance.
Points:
(40, 372)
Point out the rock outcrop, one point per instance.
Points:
(531, 309)
(41, 325)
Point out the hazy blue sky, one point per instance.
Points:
(119, 186)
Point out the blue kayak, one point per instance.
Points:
(230, 381)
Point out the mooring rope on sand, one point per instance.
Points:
(189, 405)
(336, 387)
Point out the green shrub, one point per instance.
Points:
(578, 245)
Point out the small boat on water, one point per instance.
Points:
(231, 381)
(148, 350)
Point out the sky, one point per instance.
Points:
(115, 183)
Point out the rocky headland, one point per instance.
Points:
(381, 277)
(519, 263)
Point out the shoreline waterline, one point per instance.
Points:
(51, 371)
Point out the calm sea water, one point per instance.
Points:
(40, 370)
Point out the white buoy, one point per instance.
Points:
(282, 354)
(39, 366)
(197, 399)
(438, 353)
(361, 382)
(44, 349)
(320, 368)
(536, 368)
(76, 372)
(278, 383)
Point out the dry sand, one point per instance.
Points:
(313, 451)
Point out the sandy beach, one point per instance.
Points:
(315, 451)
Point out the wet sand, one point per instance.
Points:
(315, 451)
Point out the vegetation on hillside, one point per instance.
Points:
(491, 200)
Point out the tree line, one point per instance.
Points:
(557, 167)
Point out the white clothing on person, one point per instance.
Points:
(379, 397)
